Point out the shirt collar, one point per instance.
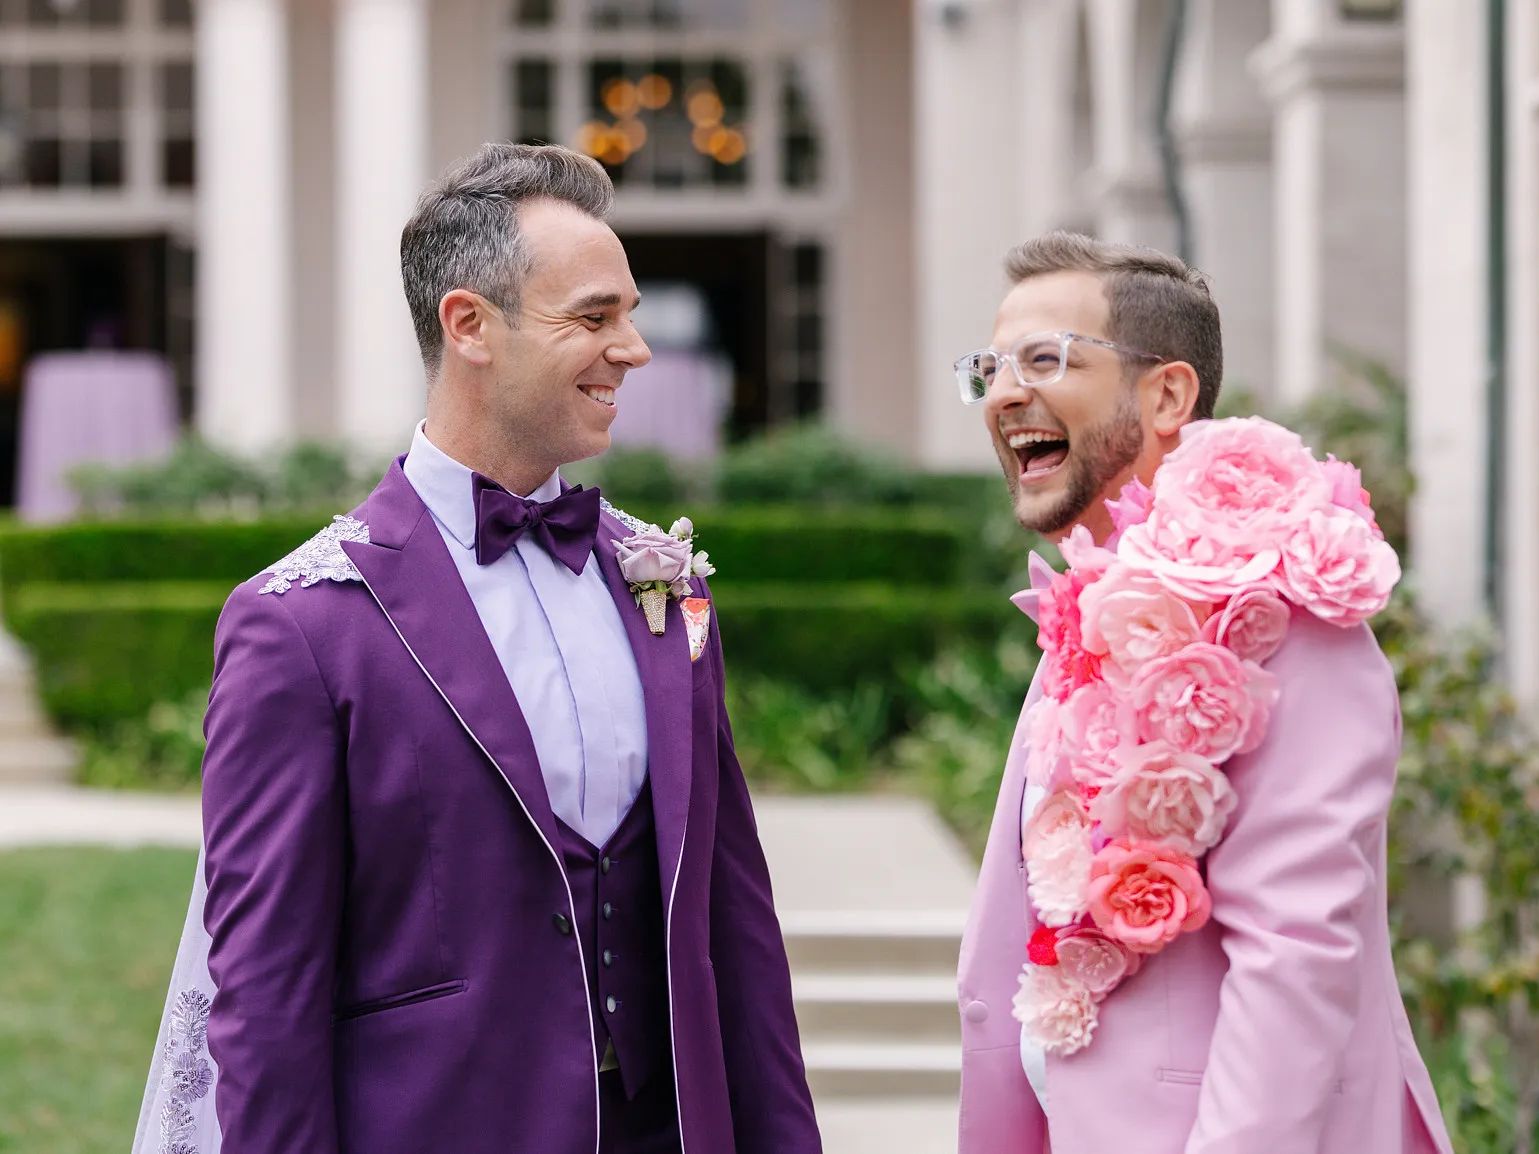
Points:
(444, 486)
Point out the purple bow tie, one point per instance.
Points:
(567, 526)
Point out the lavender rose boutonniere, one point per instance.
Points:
(658, 564)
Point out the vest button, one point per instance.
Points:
(608, 957)
(611, 1004)
(608, 909)
(563, 923)
(604, 865)
(976, 1011)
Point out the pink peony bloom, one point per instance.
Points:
(1056, 1012)
(1203, 700)
(1164, 795)
(1130, 618)
(1093, 959)
(1131, 506)
(1044, 736)
(1058, 633)
(1145, 895)
(1336, 567)
(1056, 847)
(1253, 624)
(1347, 492)
(1190, 562)
(1091, 728)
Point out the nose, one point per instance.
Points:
(1005, 392)
(629, 350)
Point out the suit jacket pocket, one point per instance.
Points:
(396, 1001)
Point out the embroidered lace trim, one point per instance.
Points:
(634, 524)
(320, 558)
(188, 1076)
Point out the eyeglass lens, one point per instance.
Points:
(1038, 361)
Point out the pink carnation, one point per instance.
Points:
(1091, 727)
(1093, 960)
(1336, 567)
(1131, 506)
(1347, 492)
(1253, 624)
(1144, 895)
(1058, 633)
(1056, 847)
(1057, 1013)
(1203, 700)
(1129, 618)
(1164, 795)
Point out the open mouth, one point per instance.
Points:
(1039, 453)
(600, 393)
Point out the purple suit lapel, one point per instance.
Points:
(664, 666)
(407, 568)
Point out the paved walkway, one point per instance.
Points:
(872, 893)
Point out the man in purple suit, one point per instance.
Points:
(481, 868)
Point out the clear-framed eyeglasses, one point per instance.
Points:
(1037, 359)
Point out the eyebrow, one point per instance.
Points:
(600, 300)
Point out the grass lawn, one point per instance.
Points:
(87, 938)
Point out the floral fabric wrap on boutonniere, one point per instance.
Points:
(658, 565)
(1155, 647)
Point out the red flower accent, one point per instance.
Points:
(1042, 950)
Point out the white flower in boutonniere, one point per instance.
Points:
(658, 565)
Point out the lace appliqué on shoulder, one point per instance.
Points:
(188, 1075)
(634, 524)
(320, 558)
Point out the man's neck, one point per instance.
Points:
(516, 475)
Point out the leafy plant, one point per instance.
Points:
(811, 465)
(162, 750)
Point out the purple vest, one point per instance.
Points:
(617, 891)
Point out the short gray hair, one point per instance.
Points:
(1156, 302)
(464, 231)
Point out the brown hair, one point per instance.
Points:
(1156, 303)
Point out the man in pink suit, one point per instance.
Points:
(1277, 1027)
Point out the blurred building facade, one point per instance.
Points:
(224, 181)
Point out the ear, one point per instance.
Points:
(464, 316)
(1176, 387)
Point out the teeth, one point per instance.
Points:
(1021, 440)
(601, 394)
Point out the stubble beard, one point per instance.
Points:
(1098, 456)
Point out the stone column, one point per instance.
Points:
(1338, 91)
(1447, 366)
(1223, 127)
(382, 118)
(244, 278)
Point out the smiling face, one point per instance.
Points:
(1067, 446)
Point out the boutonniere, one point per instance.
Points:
(658, 565)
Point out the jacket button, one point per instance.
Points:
(608, 909)
(611, 1004)
(563, 923)
(608, 957)
(976, 1011)
(604, 865)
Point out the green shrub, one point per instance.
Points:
(810, 465)
(162, 750)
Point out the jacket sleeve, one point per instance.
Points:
(767, 1081)
(1292, 883)
(274, 818)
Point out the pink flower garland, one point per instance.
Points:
(1154, 648)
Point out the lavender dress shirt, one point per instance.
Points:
(560, 640)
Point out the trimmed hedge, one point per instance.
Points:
(758, 544)
(108, 651)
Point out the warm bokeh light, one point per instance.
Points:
(621, 97)
(728, 146)
(704, 105)
(591, 138)
(654, 91)
(634, 131)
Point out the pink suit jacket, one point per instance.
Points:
(1276, 1029)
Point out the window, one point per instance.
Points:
(801, 322)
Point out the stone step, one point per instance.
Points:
(880, 1007)
(907, 1125)
(879, 941)
(877, 1067)
(37, 760)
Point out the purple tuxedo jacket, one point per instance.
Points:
(385, 881)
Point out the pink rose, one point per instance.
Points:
(1253, 624)
(1091, 728)
(1164, 795)
(1093, 960)
(1190, 562)
(1044, 736)
(1058, 633)
(1056, 847)
(1203, 700)
(647, 557)
(1130, 618)
(1131, 506)
(1080, 552)
(1336, 567)
(1144, 895)
(1056, 1012)
(1347, 492)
